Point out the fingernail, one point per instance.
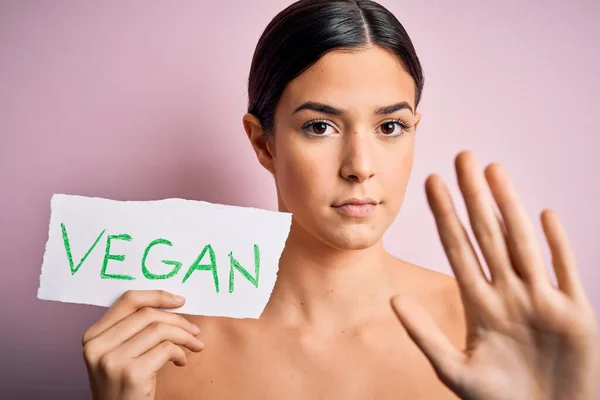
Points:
(195, 329)
(178, 299)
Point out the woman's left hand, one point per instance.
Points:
(526, 339)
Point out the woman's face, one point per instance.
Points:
(343, 134)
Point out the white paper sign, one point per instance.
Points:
(222, 259)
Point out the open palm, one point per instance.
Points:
(526, 339)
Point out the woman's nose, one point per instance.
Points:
(358, 162)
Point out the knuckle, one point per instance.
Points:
(89, 353)
(483, 232)
(453, 242)
(168, 346)
(147, 312)
(158, 327)
(108, 363)
(129, 296)
(178, 352)
(133, 374)
(172, 349)
(85, 338)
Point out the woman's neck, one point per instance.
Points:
(320, 286)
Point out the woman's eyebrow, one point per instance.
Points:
(330, 110)
(393, 108)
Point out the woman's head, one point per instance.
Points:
(333, 91)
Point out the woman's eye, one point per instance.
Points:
(317, 128)
(388, 128)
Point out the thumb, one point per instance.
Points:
(445, 358)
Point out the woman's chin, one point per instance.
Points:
(357, 238)
(341, 236)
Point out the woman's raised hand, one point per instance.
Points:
(526, 339)
(125, 348)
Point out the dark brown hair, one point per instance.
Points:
(301, 34)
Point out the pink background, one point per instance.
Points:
(143, 100)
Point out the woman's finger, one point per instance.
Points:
(524, 249)
(153, 335)
(128, 303)
(563, 259)
(159, 355)
(457, 246)
(485, 224)
(445, 358)
(130, 326)
(139, 370)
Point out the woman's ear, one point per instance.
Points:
(260, 142)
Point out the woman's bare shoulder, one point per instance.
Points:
(439, 293)
(414, 279)
(222, 338)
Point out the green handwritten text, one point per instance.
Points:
(150, 275)
(116, 257)
(197, 265)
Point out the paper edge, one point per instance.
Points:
(58, 196)
(278, 267)
(45, 255)
(180, 199)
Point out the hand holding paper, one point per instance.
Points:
(222, 259)
(132, 341)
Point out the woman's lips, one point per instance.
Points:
(356, 210)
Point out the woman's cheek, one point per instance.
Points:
(291, 184)
(303, 188)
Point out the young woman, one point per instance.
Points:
(333, 93)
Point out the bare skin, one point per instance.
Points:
(333, 327)
(291, 359)
(329, 330)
